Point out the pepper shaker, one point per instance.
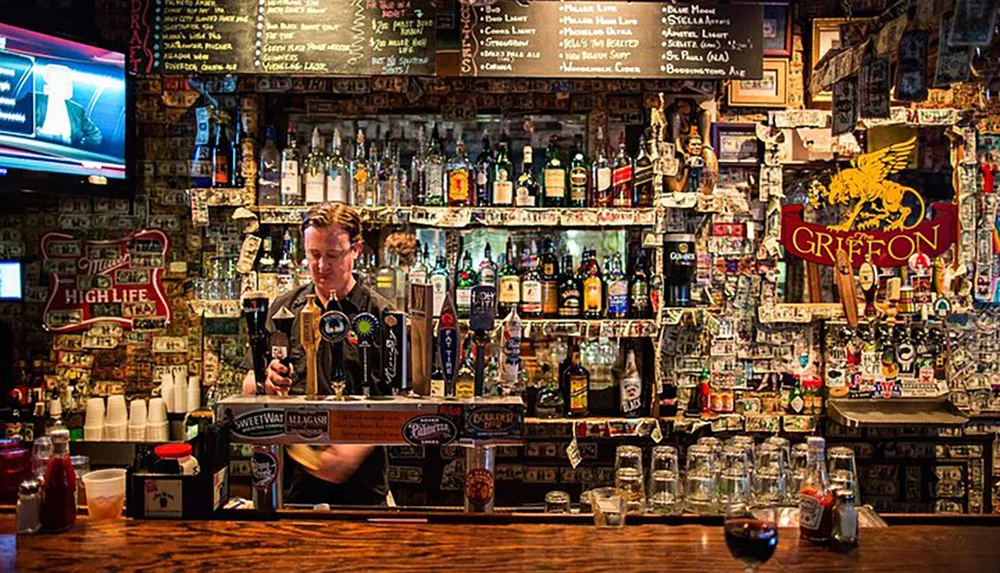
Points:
(29, 507)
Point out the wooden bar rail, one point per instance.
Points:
(406, 546)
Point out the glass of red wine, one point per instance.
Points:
(751, 533)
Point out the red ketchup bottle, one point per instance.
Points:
(815, 497)
(59, 494)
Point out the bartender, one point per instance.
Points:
(343, 474)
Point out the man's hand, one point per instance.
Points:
(338, 463)
(277, 382)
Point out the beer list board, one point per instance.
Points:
(612, 39)
(311, 37)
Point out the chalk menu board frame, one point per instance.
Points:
(614, 39)
(298, 37)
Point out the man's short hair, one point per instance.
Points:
(327, 214)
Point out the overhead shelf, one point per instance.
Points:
(855, 413)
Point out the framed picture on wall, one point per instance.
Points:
(777, 29)
(735, 143)
(769, 91)
(825, 37)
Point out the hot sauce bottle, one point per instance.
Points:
(58, 511)
(815, 497)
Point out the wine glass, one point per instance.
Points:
(751, 533)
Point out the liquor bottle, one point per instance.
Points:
(269, 171)
(337, 172)
(221, 151)
(526, 194)
(570, 300)
(267, 263)
(287, 276)
(554, 176)
(510, 282)
(385, 173)
(291, 186)
(361, 173)
(460, 173)
(385, 277)
(577, 383)
(418, 166)
(531, 284)
(502, 177)
(437, 374)
(365, 268)
(488, 268)
(642, 195)
(550, 281)
(617, 289)
(601, 176)
(549, 403)
(621, 179)
(593, 286)
(639, 301)
(439, 283)
(236, 151)
(315, 170)
(467, 278)
(484, 165)
(465, 380)
(418, 272)
(815, 498)
(631, 388)
(796, 400)
(374, 168)
(579, 174)
(434, 192)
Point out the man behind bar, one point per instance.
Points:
(347, 474)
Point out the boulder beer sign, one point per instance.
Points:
(118, 280)
(884, 221)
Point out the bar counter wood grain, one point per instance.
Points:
(348, 546)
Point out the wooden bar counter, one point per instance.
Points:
(314, 545)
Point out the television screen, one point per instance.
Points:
(10, 280)
(63, 107)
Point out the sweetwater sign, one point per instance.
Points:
(118, 281)
(884, 221)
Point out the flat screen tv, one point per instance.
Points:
(64, 123)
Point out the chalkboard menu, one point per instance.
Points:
(310, 37)
(612, 39)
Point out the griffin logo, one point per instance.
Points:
(878, 202)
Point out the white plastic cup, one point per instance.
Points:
(157, 413)
(105, 493)
(137, 413)
(157, 432)
(117, 412)
(136, 433)
(94, 416)
(115, 432)
(180, 397)
(93, 433)
(167, 394)
(193, 394)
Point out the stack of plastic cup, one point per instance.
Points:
(116, 426)
(93, 425)
(137, 421)
(157, 426)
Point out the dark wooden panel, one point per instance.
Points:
(357, 546)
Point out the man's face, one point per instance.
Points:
(58, 82)
(331, 258)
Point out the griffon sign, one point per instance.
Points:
(884, 221)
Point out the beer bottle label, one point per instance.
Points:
(569, 305)
(550, 297)
(435, 185)
(531, 296)
(290, 178)
(335, 188)
(488, 276)
(578, 184)
(503, 192)
(510, 289)
(524, 198)
(592, 294)
(618, 297)
(555, 183)
(440, 287)
(603, 180)
(458, 185)
(578, 387)
(463, 299)
(315, 188)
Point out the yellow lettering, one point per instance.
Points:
(795, 240)
(875, 248)
(824, 245)
(933, 245)
(895, 252)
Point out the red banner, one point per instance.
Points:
(820, 244)
(119, 281)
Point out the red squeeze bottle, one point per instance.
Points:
(815, 497)
(58, 511)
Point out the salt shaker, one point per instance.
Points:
(845, 531)
(29, 507)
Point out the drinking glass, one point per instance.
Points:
(747, 443)
(716, 445)
(769, 486)
(800, 454)
(664, 488)
(734, 480)
(628, 477)
(700, 494)
(41, 451)
(751, 533)
(842, 471)
(608, 506)
(786, 447)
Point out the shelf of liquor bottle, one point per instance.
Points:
(594, 427)
(580, 327)
(220, 308)
(221, 196)
(462, 217)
